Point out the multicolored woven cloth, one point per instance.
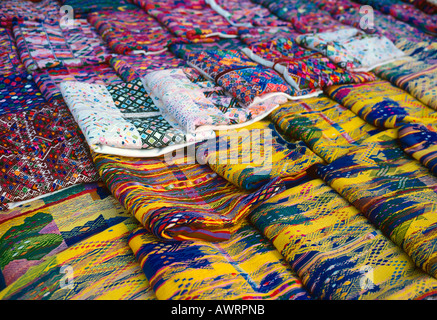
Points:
(10, 62)
(18, 93)
(419, 142)
(49, 80)
(395, 192)
(183, 50)
(44, 44)
(175, 198)
(254, 36)
(328, 128)
(245, 13)
(245, 267)
(254, 155)
(47, 226)
(99, 267)
(130, 31)
(81, 8)
(352, 49)
(289, 9)
(12, 11)
(316, 22)
(42, 151)
(335, 250)
(382, 104)
(122, 119)
(134, 67)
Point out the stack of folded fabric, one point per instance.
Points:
(218, 149)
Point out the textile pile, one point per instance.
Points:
(218, 150)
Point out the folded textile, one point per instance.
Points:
(99, 267)
(81, 8)
(289, 9)
(252, 156)
(420, 142)
(47, 226)
(245, 13)
(408, 13)
(130, 31)
(307, 71)
(253, 36)
(352, 49)
(335, 250)
(193, 24)
(45, 44)
(10, 62)
(329, 129)
(382, 104)
(48, 80)
(176, 198)
(247, 81)
(336, 6)
(316, 22)
(183, 50)
(42, 151)
(133, 67)
(244, 267)
(19, 10)
(395, 192)
(123, 119)
(197, 104)
(18, 92)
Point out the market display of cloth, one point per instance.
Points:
(44, 44)
(382, 104)
(45, 227)
(123, 119)
(81, 8)
(198, 105)
(352, 49)
(12, 11)
(99, 267)
(42, 151)
(246, 266)
(252, 156)
(176, 198)
(328, 128)
(10, 62)
(336, 252)
(245, 13)
(253, 36)
(393, 191)
(307, 71)
(130, 31)
(49, 80)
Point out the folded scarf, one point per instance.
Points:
(10, 62)
(352, 49)
(382, 104)
(335, 250)
(244, 267)
(130, 31)
(329, 129)
(99, 267)
(395, 192)
(42, 151)
(124, 120)
(47, 226)
(176, 198)
(44, 44)
(49, 80)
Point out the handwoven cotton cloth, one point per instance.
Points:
(328, 129)
(130, 31)
(123, 119)
(177, 198)
(47, 226)
(336, 252)
(12, 11)
(42, 151)
(316, 22)
(44, 44)
(99, 267)
(10, 62)
(182, 49)
(382, 104)
(252, 36)
(246, 266)
(352, 49)
(395, 192)
(81, 8)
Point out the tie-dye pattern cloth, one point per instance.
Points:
(244, 267)
(336, 252)
(176, 198)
